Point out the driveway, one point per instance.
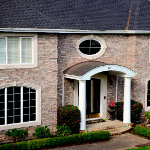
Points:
(118, 142)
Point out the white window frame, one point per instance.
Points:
(24, 124)
(147, 108)
(92, 37)
(34, 51)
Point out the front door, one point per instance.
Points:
(93, 88)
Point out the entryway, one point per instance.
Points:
(93, 89)
(83, 73)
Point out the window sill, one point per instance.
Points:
(19, 125)
(12, 66)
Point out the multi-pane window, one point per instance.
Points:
(148, 93)
(17, 105)
(15, 50)
(90, 47)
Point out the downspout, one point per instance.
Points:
(63, 90)
(117, 89)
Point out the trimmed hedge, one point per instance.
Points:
(140, 130)
(70, 115)
(57, 141)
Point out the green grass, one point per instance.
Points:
(140, 148)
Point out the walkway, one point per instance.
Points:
(118, 142)
(114, 127)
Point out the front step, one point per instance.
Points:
(94, 120)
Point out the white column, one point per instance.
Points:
(127, 101)
(82, 103)
(92, 96)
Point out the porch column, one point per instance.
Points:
(127, 100)
(82, 103)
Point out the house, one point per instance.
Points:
(83, 53)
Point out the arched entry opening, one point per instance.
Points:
(86, 74)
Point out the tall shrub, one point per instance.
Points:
(136, 110)
(70, 115)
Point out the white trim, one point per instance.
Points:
(127, 72)
(147, 108)
(116, 88)
(5, 106)
(92, 37)
(37, 30)
(34, 51)
(24, 124)
(21, 104)
(72, 77)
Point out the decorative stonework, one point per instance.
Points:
(92, 37)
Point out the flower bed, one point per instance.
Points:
(57, 141)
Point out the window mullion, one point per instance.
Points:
(20, 45)
(21, 104)
(6, 50)
(13, 105)
(32, 51)
(5, 106)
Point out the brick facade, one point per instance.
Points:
(131, 51)
(56, 53)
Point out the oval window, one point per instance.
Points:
(90, 47)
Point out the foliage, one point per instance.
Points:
(140, 148)
(71, 116)
(147, 115)
(57, 141)
(17, 135)
(63, 130)
(136, 110)
(42, 132)
(140, 130)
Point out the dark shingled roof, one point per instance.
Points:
(82, 68)
(76, 14)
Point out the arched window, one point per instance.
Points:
(148, 93)
(17, 105)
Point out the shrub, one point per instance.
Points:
(42, 132)
(147, 116)
(71, 116)
(57, 141)
(140, 130)
(63, 130)
(17, 135)
(136, 110)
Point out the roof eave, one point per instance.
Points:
(71, 31)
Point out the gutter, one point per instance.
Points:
(72, 31)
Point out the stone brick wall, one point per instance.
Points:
(57, 53)
(43, 76)
(131, 51)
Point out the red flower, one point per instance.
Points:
(111, 103)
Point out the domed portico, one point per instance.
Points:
(84, 72)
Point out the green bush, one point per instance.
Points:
(147, 116)
(140, 130)
(42, 132)
(57, 141)
(63, 130)
(71, 116)
(17, 135)
(136, 110)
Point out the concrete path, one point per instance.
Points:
(114, 127)
(118, 142)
